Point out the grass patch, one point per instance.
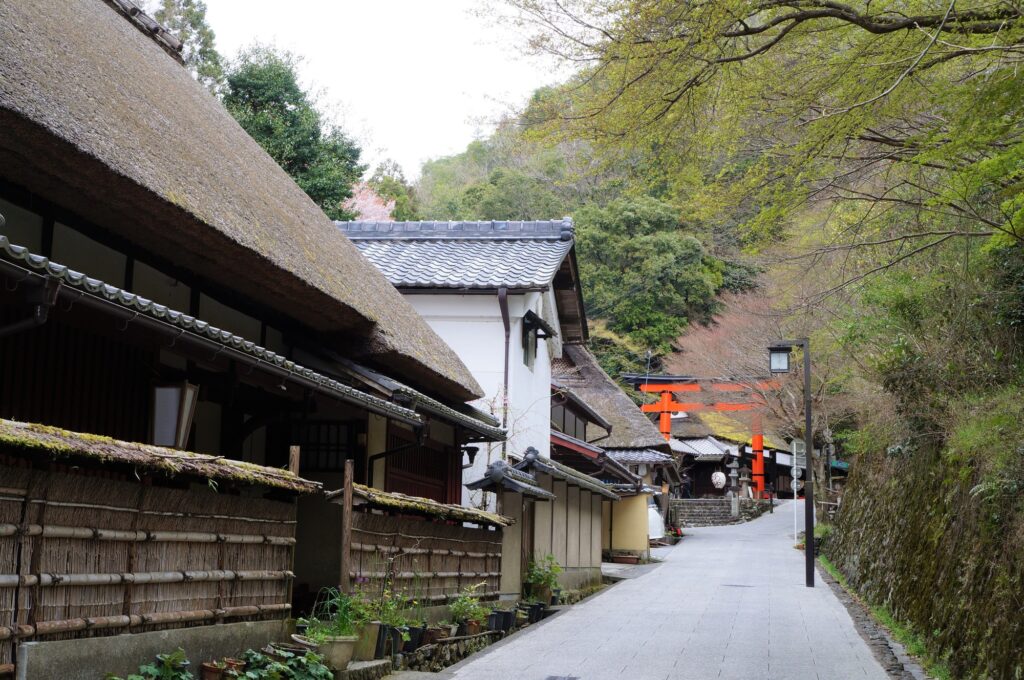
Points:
(903, 633)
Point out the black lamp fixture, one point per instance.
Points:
(471, 452)
(778, 358)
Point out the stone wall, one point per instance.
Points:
(911, 535)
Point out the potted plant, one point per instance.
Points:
(467, 610)
(542, 578)
(332, 627)
(389, 610)
(212, 670)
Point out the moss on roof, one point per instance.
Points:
(398, 502)
(727, 427)
(631, 429)
(98, 119)
(16, 437)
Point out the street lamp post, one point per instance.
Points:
(778, 355)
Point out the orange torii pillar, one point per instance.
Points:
(757, 444)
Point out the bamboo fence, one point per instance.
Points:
(427, 560)
(84, 554)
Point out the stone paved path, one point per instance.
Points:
(729, 602)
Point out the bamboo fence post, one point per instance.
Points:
(346, 527)
(294, 461)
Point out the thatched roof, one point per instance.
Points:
(54, 442)
(631, 429)
(101, 121)
(414, 505)
(738, 430)
(690, 427)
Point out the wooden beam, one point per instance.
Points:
(294, 457)
(345, 582)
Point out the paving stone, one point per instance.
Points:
(728, 602)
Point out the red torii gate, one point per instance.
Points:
(667, 385)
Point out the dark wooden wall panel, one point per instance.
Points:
(76, 379)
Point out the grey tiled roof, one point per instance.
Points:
(464, 254)
(501, 475)
(704, 446)
(646, 456)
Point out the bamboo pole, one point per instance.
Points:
(51, 531)
(212, 576)
(111, 622)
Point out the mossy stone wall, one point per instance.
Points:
(912, 535)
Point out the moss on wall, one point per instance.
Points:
(937, 535)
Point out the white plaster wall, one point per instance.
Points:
(472, 326)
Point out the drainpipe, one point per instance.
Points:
(503, 305)
(43, 298)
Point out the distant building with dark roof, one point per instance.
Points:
(505, 295)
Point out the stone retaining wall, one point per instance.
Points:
(911, 535)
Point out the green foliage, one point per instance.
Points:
(186, 19)
(643, 273)
(335, 614)
(307, 666)
(543, 572)
(172, 666)
(466, 605)
(389, 182)
(263, 93)
(389, 609)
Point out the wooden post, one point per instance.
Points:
(344, 584)
(294, 455)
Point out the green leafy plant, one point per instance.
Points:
(466, 606)
(389, 609)
(308, 666)
(335, 614)
(172, 666)
(544, 572)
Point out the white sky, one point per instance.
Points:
(409, 79)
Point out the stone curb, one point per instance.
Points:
(890, 654)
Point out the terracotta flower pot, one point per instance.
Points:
(472, 627)
(337, 651)
(211, 671)
(432, 634)
(234, 664)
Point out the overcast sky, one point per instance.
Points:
(410, 79)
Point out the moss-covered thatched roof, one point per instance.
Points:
(28, 438)
(739, 431)
(631, 429)
(100, 120)
(414, 505)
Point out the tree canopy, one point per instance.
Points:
(187, 20)
(263, 93)
(906, 116)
